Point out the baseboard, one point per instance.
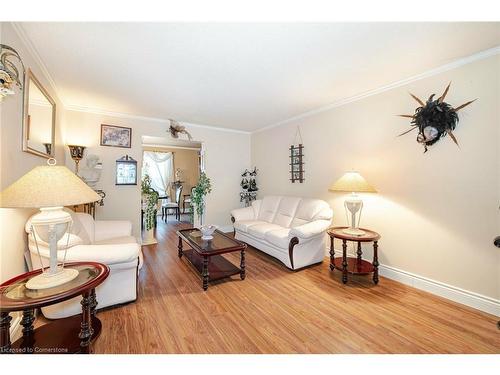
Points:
(226, 228)
(465, 297)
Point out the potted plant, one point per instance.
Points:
(202, 188)
(149, 206)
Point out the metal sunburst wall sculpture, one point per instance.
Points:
(434, 119)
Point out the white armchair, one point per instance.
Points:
(108, 242)
(291, 229)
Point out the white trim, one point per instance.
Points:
(98, 111)
(226, 228)
(465, 297)
(21, 33)
(454, 64)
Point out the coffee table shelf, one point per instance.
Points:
(218, 266)
(206, 255)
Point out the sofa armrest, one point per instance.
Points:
(309, 230)
(106, 229)
(246, 213)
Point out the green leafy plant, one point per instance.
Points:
(150, 198)
(202, 188)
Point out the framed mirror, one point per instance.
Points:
(39, 118)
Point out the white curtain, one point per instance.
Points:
(159, 166)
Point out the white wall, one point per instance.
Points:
(15, 163)
(437, 212)
(227, 154)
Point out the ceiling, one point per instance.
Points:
(241, 76)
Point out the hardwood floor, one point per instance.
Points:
(275, 310)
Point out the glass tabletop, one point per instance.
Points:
(15, 292)
(219, 243)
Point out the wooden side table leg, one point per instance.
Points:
(5, 319)
(179, 247)
(93, 303)
(205, 273)
(242, 265)
(375, 262)
(359, 253)
(332, 254)
(27, 322)
(86, 330)
(344, 261)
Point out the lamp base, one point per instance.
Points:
(354, 231)
(47, 280)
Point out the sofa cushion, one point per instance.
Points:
(243, 225)
(286, 211)
(307, 211)
(278, 237)
(260, 230)
(268, 208)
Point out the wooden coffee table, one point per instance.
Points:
(206, 256)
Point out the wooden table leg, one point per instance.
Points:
(93, 303)
(5, 319)
(359, 253)
(86, 330)
(242, 265)
(375, 262)
(179, 247)
(27, 322)
(332, 254)
(344, 261)
(205, 273)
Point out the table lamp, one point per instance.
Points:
(353, 183)
(49, 188)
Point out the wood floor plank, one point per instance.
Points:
(275, 310)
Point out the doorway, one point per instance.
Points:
(174, 168)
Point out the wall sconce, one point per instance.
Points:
(9, 73)
(76, 154)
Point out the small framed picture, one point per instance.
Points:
(116, 136)
(126, 171)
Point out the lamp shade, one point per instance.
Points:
(47, 186)
(352, 182)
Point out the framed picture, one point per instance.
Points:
(116, 136)
(126, 171)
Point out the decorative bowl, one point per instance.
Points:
(207, 231)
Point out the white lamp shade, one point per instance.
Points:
(352, 182)
(47, 186)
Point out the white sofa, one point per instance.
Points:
(291, 229)
(108, 242)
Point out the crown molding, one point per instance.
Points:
(455, 64)
(21, 33)
(98, 111)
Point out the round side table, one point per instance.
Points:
(354, 265)
(69, 335)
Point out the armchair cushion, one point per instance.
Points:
(111, 229)
(309, 230)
